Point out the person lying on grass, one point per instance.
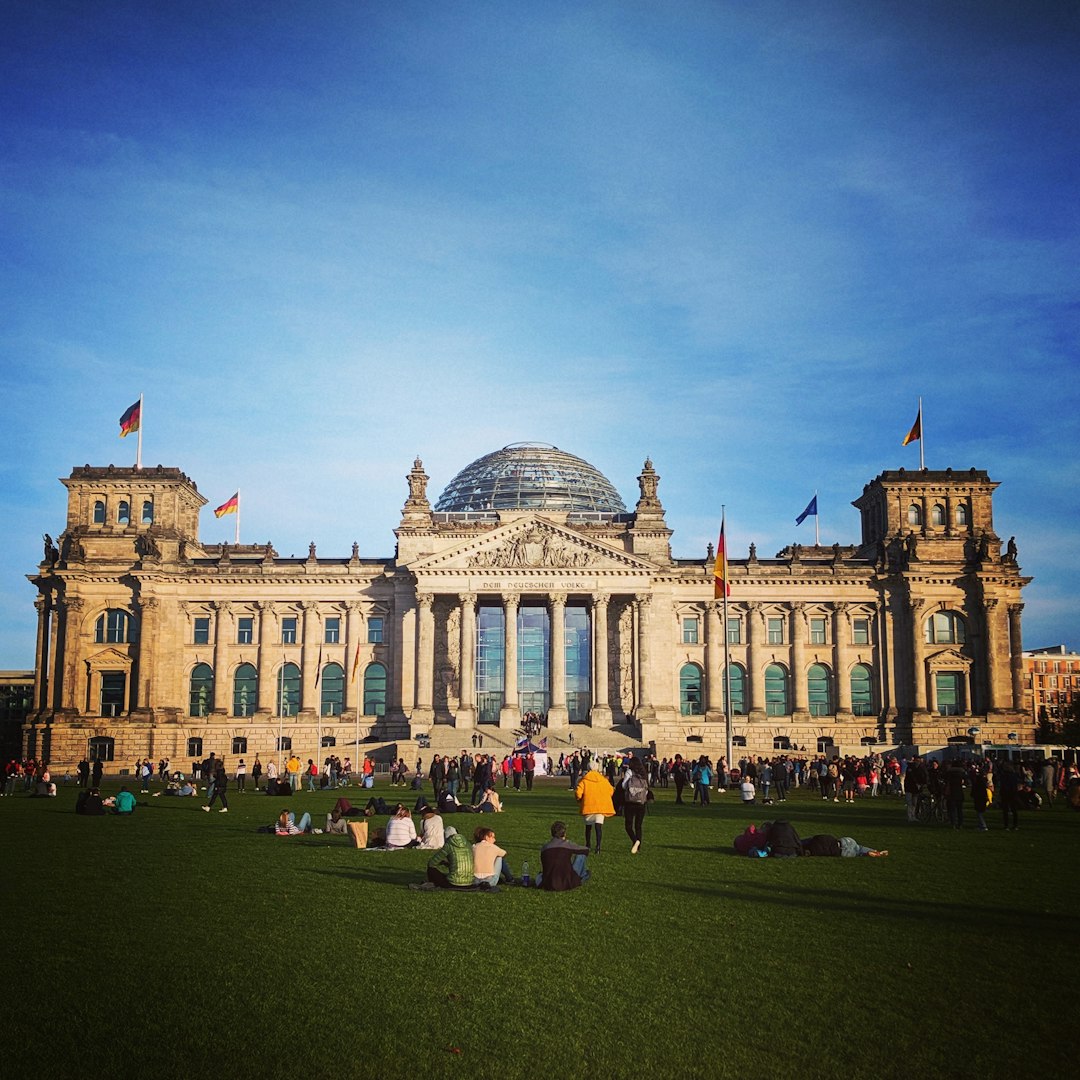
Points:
(287, 825)
(845, 846)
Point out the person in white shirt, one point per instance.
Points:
(400, 830)
(747, 791)
(431, 830)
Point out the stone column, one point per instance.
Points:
(55, 686)
(1016, 657)
(918, 657)
(600, 713)
(267, 689)
(73, 609)
(143, 674)
(800, 707)
(558, 714)
(714, 660)
(42, 655)
(424, 712)
(754, 634)
(466, 714)
(510, 713)
(841, 628)
(992, 647)
(309, 658)
(354, 634)
(222, 635)
(645, 709)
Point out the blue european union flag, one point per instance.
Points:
(810, 511)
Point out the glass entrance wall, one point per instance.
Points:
(490, 663)
(578, 637)
(534, 658)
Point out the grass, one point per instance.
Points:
(180, 944)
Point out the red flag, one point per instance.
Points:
(721, 584)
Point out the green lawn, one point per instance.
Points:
(183, 944)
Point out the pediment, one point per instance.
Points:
(948, 660)
(108, 659)
(532, 543)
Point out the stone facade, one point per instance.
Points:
(151, 643)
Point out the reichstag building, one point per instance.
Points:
(528, 587)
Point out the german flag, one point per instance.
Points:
(916, 430)
(721, 584)
(129, 422)
(231, 506)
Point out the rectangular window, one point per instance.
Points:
(239, 744)
(776, 631)
(374, 631)
(284, 743)
(113, 686)
(950, 697)
(332, 630)
(202, 630)
(817, 630)
(288, 630)
(734, 631)
(245, 630)
(860, 631)
(690, 631)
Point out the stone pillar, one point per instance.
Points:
(466, 714)
(714, 661)
(309, 658)
(800, 706)
(267, 689)
(222, 627)
(600, 713)
(510, 713)
(143, 674)
(645, 709)
(55, 686)
(73, 609)
(990, 654)
(354, 635)
(1016, 657)
(558, 714)
(755, 628)
(42, 655)
(424, 712)
(841, 628)
(918, 657)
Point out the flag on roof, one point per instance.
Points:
(230, 506)
(810, 511)
(129, 422)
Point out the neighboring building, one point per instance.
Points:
(152, 643)
(16, 694)
(1051, 685)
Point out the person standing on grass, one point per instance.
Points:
(241, 776)
(678, 774)
(530, 770)
(955, 784)
(256, 772)
(704, 779)
(292, 771)
(218, 783)
(636, 796)
(1008, 794)
(593, 794)
(980, 796)
(914, 782)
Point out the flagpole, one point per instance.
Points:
(727, 657)
(817, 523)
(922, 438)
(281, 710)
(237, 537)
(138, 444)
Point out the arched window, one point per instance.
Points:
(201, 697)
(963, 517)
(101, 748)
(148, 512)
(245, 690)
(914, 514)
(862, 691)
(777, 699)
(99, 512)
(937, 514)
(737, 677)
(374, 690)
(113, 627)
(332, 684)
(945, 628)
(123, 513)
(690, 690)
(288, 690)
(817, 688)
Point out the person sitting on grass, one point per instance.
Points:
(490, 802)
(336, 823)
(432, 836)
(562, 863)
(837, 846)
(747, 791)
(400, 830)
(287, 825)
(451, 867)
(89, 803)
(124, 803)
(488, 859)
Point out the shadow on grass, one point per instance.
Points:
(900, 908)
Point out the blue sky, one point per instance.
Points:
(741, 239)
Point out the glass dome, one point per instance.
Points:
(530, 476)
